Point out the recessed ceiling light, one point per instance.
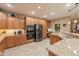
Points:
(33, 12)
(68, 5)
(75, 52)
(69, 47)
(45, 16)
(39, 7)
(52, 13)
(9, 5)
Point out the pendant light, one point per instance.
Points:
(75, 20)
(69, 22)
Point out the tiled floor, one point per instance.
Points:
(30, 49)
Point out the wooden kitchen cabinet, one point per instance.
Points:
(30, 21)
(44, 23)
(10, 41)
(2, 21)
(15, 40)
(11, 22)
(54, 39)
(20, 39)
(15, 23)
(19, 23)
(45, 27)
(2, 47)
(44, 33)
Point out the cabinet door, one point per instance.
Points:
(2, 21)
(19, 23)
(30, 21)
(16, 23)
(16, 40)
(10, 41)
(2, 48)
(11, 22)
(44, 33)
(20, 39)
(44, 24)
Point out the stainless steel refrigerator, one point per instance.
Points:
(38, 30)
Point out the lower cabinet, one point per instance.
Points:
(21, 39)
(12, 41)
(16, 41)
(2, 47)
(9, 41)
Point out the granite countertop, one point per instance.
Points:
(74, 34)
(58, 34)
(66, 47)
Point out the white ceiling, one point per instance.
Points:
(59, 9)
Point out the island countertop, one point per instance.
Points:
(73, 34)
(65, 47)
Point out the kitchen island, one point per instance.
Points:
(55, 37)
(65, 47)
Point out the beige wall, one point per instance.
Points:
(61, 21)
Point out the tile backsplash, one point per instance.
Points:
(10, 31)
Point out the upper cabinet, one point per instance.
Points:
(19, 23)
(10, 22)
(2, 21)
(15, 23)
(43, 22)
(45, 27)
(30, 21)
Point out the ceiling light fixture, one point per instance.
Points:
(69, 22)
(75, 20)
(45, 16)
(9, 5)
(69, 47)
(68, 5)
(75, 52)
(52, 13)
(39, 7)
(33, 12)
